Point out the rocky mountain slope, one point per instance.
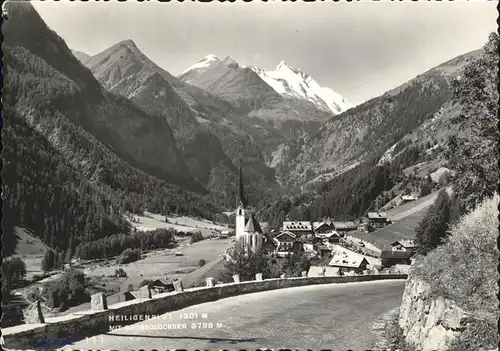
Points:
(81, 56)
(76, 155)
(125, 70)
(210, 142)
(372, 127)
(49, 83)
(269, 116)
(292, 82)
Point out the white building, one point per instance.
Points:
(248, 231)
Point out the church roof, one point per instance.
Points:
(253, 225)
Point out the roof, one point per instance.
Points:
(128, 293)
(253, 225)
(317, 225)
(304, 225)
(405, 243)
(376, 215)
(387, 254)
(408, 198)
(285, 233)
(158, 282)
(347, 262)
(322, 247)
(345, 225)
(328, 235)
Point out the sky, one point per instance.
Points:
(358, 49)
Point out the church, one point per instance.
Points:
(247, 230)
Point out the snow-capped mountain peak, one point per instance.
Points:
(292, 82)
(207, 61)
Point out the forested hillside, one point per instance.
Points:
(370, 128)
(475, 157)
(75, 155)
(49, 87)
(41, 191)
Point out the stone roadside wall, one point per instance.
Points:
(428, 323)
(72, 328)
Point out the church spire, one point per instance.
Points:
(241, 195)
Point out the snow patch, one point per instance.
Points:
(292, 82)
(207, 61)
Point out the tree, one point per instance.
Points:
(474, 157)
(426, 186)
(245, 263)
(129, 255)
(144, 283)
(195, 237)
(201, 263)
(13, 271)
(433, 226)
(49, 261)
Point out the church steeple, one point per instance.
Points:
(241, 194)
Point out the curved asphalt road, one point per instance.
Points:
(333, 316)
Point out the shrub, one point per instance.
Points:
(479, 335)
(201, 263)
(129, 255)
(67, 291)
(13, 271)
(11, 315)
(145, 282)
(196, 237)
(52, 260)
(120, 273)
(33, 295)
(426, 186)
(464, 268)
(433, 226)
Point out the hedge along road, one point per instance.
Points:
(334, 316)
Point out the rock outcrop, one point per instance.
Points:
(429, 323)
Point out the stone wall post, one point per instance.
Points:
(304, 274)
(33, 314)
(258, 276)
(178, 286)
(236, 278)
(98, 302)
(210, 282)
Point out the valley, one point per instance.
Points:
(124, 178)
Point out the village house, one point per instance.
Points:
(408, 198)
(322, 250)
(286, 243)
(347, 264)
(391, 258)
(160, 287)
(332, 238)
(404, 245)
(377, 220)
(300, 229)
(128, 295)
(322, 228)
(343, 227)
(399, 252)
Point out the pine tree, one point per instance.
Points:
(434, 225)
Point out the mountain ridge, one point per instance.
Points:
(76, 96)
(369, 128)
(199, 120)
